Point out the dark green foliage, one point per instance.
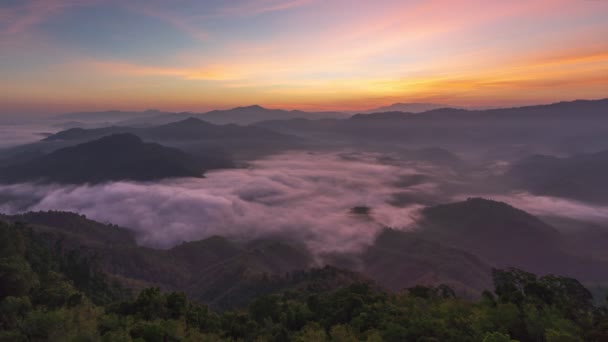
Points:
(47, 294)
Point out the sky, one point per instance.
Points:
(197, 55)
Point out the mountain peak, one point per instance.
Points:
(190, 120)
(252, 107)
(478, 214)
(412, 107)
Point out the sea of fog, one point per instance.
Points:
(307, 197)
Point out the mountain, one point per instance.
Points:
(217, 271)
(399, 260)
(188, 129)
(580, 177)
(576, 126)
(414, 107)
(569, 110)
(199, 138)
(84, 134)
(504, 236)
(239, 115)
(459, 243)
(114, 157)
(196, 129)
(75, 228)
(251, 114)
(50, 292)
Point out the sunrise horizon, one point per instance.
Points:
(89, 55)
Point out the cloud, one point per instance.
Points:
(18, 19)
(554, 206)
(300, 196)
(18, 134)
(210, 73)
(305, 197)
(255, 7)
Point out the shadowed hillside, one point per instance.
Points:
(580, 177)
(504, 236)
(116, 157)
(215, 270)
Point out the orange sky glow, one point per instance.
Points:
(186, 55)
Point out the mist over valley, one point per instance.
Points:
(303, 170)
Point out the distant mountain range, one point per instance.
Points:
(114, 157)
(239, 115)
(213, 145)
(252, 114)
(187, 129)
(568, 126)
(414, 107)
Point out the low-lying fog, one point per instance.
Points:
(307, 197)
(18, 133)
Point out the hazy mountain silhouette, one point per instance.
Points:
(251, 114)
(572, 126)
(187, 129)
(413, 107)
(115, 157)
(196, 129)
(581, 177)
(239, 115)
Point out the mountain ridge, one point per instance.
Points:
(121, 156)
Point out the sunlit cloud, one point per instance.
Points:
(213, 73)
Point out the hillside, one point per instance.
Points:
(220, 272)
(503, 236)
(50, 293)
(399, 260)
(580, 177)
(115, 157)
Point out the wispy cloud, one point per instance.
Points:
(256, 7)
(28, 13)
(209, 73)
(179, 22)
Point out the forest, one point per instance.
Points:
(52, 293)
